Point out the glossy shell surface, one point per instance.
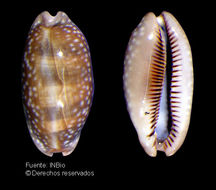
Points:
(57, 83)
(159, 95)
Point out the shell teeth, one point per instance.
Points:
(153, 64)
(157, 70)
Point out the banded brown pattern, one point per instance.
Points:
(57, 83)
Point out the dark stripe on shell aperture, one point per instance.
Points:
(158, 67)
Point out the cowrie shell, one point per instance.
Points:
(57, 83)
(158, 91)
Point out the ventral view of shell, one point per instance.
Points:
(57, 83)
(158, 83)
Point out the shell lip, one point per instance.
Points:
(167, 31)
(47, 20)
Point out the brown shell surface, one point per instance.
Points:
(57, 83)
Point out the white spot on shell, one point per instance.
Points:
(151, 36)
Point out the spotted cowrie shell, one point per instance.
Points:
(57, 83)
(158, 83)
